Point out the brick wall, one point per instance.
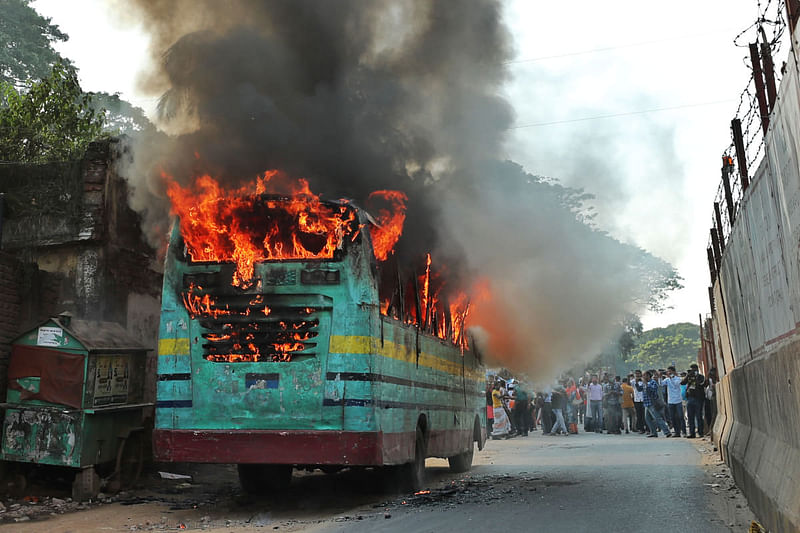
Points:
(11, 277)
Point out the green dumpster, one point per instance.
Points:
(75, 399)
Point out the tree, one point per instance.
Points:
(631, 331)
(52, 121)
(26, 43)
(661, 347)
(27, 56)
(121, 115)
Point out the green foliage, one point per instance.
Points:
(26, 43)
(661, 347)
(52, 121)
(27, 56)
(121, 115)
(631, 331)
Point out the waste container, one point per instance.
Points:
(76, 399)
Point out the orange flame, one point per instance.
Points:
(390, 228)
(426, 286)
(241, 225)
(444, 312)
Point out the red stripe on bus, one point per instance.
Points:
(301, 447)
(267, 446)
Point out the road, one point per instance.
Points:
(584, 482)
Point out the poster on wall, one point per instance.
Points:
(49, 336)
(111, 380)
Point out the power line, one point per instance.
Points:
(617, 47)
(624, 114)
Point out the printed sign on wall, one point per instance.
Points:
(111, 380)
(49, 336)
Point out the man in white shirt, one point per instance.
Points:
(596, 404)
(638, 400)
(674, 401)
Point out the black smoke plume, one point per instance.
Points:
(353, 95)
(358, 95)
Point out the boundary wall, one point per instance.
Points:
(757, 325)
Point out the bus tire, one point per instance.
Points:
(412, 475)
(260, 479)
(463, 461)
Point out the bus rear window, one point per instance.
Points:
(250, 229)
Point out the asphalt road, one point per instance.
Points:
(585, 482)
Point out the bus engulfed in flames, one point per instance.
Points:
(278, 219)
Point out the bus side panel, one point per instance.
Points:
(174, 364)
(435, 388)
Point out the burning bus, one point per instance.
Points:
(289, 338)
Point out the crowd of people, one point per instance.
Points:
(675, 404)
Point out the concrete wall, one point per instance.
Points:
(757, 325)
(757, 431)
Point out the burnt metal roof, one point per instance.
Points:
(100, 335)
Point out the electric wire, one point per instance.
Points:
(616, 47)
(622, 114)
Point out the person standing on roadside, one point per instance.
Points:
(505, 397)
(695, 399)
(596, 404)
(674, 402)
(711, 399)
(606, 385)
(559, 406)
(587, 417)
(538, 404)
(638, 400)
(574, 400)
(502, 425)
(654, 406)
(489, 408)
(628, 411)
(613, 400)
(684, 399)
(547, 412)
(521, 414)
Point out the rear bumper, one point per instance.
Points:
(273, 447)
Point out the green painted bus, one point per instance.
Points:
(299, 367)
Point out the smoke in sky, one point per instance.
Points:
(357, 96)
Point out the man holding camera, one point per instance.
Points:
(695, 399)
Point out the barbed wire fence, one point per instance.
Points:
(768, 29)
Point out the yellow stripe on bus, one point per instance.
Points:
(353, 344)
(356, 344)
(173, 346)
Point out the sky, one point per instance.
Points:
(653, 173)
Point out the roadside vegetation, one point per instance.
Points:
(45, 115)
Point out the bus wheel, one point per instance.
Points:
(463, 461)
(412, 475)
(418, 476)
(258, 479)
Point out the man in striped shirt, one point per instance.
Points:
(653, 405)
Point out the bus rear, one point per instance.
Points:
(272, 340)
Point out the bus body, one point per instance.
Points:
(364, 390)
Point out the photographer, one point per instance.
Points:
(695, 399)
